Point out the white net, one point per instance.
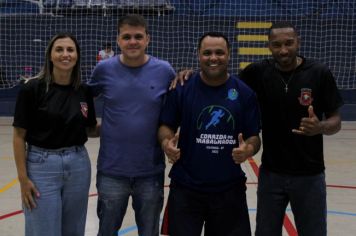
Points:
(327, 29)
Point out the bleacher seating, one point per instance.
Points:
(18, 7)
(114, 4)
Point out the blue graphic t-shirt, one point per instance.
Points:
(210, 119)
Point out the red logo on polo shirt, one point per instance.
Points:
(305, 98)
(84, 109)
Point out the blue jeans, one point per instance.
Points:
(62, 177)
(147, 202)
(307, 198)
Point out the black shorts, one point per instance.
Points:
(223, 213)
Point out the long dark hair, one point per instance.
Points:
(46, 72)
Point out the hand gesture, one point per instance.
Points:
(242, 152)
(310, 125)
(181, 77)
(28, 194)
(170, 149)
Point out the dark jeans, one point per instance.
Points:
(307, 198)
(147, 202)
(222, 213)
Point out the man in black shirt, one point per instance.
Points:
(299, 104)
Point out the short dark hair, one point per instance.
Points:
(132, 20)
(215, 35)
(282, 25)
(107, 45)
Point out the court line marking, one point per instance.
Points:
(14, 213)
(9, 185)
(15, 181)
(288, 225)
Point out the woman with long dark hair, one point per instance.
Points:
(53, 118)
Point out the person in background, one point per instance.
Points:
(299, 103)
(106, 52)
(131, 162)
(53, 117)
(219, 122)
(2, 77)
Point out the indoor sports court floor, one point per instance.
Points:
(340, 157)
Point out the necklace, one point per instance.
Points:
(282, 78)
(286, 83)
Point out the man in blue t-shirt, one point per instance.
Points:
(219, 125)
(130, 162)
